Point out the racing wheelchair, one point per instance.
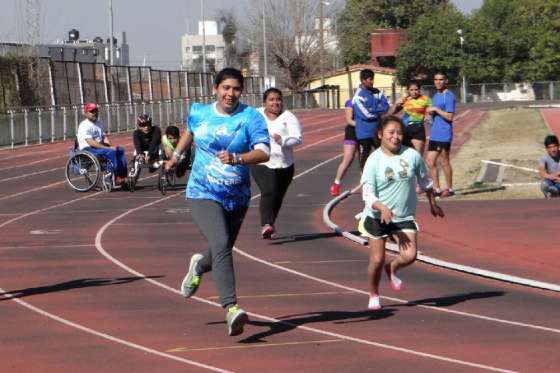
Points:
(84, 171)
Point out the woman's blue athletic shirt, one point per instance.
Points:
(237, 133)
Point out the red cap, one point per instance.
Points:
(89, 107)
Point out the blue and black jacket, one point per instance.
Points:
(368, 105)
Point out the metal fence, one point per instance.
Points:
(49, 124)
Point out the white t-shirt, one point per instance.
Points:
(288, 127)
(89, 130)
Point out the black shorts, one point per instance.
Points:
(437, 146)
(414, 131)
(350, 135)
(374, 228)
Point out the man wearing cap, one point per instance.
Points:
(92, 137)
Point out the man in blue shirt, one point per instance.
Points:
(368, 104)
(441, 134)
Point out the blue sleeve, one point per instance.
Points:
(382, 104)
(449, 102)
(192, 117)
(257, 130)
(361, 110)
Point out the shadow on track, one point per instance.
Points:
(451, 300)
(69, 285)
(291, 322)
(301, 237)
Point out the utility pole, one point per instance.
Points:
(203, 37)
(321, 43)
(464, 85)
(111, 46)
(264, 46)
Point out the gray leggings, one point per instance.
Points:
(220, 227)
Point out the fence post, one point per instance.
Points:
(169, 90)
(551, 90)
(105, 83)
(483, 92)
(26, 127)
(201, 84)
(118, 117)
(80, 81)
(40, 123)
(129, 86)
(64, 126)
(76, 119)
(150, 83)
(186, 75)
(52, 125)
(51, 81)
(109, 117)
(12, 135)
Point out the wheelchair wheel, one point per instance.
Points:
(162, 180)
(83, 171)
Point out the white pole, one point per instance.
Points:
(264, 47)
(111, 46)
(203, 37)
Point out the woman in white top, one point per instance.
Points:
(274, 176)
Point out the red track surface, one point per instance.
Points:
(94, 277)
(552, 119)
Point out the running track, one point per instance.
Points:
(89, 281)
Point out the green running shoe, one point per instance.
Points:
(192, 279)
(236, 319)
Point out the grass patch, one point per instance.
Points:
(514, 136)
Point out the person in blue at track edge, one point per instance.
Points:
(228, 136)
(368, 104)
(441, 134)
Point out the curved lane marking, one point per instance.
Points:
(102, 251)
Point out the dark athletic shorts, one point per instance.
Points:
(437, 146)
(414, 131)
(374, 228)
(350, 135)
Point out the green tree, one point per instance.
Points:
(433, 44)
(361, 17)
(515, 40)
(229, 31)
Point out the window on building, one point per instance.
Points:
(197, 48)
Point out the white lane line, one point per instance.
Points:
(35, 212)
(54, 246)
(110, 337)
(101, 250)
(30, 163)
(117, 262)
(31, 174)
(32, 190)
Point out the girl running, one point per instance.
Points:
(228, 137)
(389, 178)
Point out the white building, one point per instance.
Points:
(192, 46)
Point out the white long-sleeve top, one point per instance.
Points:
(288, 127)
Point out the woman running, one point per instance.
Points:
(274, 177)
(389, 179)
(349, 147)
(414, 105)
(228, 137)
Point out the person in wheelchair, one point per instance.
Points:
(92, 137)
(169, 142)
(147, 141)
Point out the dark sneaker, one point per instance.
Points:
(447, 193)
(236, 319)
(267, 232)
(192, 279)
(335, 189)
(437, 192)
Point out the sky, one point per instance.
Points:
(153, 28)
